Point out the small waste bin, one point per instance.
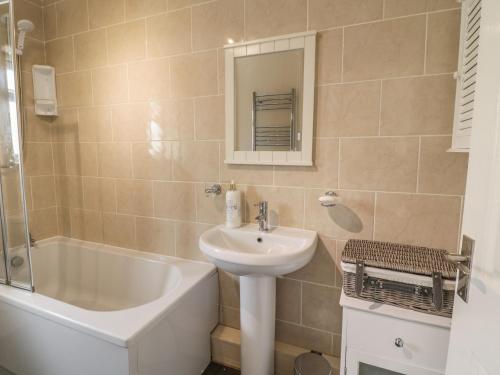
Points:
(312, 364)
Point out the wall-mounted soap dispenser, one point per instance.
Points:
(44, 90)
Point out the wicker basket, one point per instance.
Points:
(411, 277)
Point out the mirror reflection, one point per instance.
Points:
(268, 101)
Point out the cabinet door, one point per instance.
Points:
(362, 363)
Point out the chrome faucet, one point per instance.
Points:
(263, 216)
(213, 190)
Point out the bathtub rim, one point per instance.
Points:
(119, 327)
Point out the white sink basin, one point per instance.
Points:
(246, 251)
(258, 257)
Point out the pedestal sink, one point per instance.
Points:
(258, 257)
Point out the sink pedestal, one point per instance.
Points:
(257, 320)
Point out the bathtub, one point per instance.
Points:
(103, 310)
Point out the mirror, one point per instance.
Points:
(268, 90)
(270, 100)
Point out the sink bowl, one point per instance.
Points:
(258, 257)
(247, 251)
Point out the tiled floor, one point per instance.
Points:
(215, 369)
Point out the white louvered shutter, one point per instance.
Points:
(466, 77)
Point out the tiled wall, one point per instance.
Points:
(141, 132)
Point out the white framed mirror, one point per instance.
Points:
(269, 97)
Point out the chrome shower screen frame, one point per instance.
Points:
(15, 163)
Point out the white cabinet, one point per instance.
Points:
(385, 340)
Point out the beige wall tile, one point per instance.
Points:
(152, 161)
(425, 220)
(63, 222)
(154, 235)
(443, 35)
(212, 209)
(69, 191)
(397, 8)
(388, 164)
(209, 118)
(43, 223)
(86, 225)
(321, 268)
(195, 161)
(99, 194)
(34, 53)
(176, 120)
(127, 42)
(230, 317)
(229, 289)
(59, 156)
(304, 337)
(218, 23)
(324, 172)
(142, 8)
(27, 86)
(348, 110)
(187, 236)
(72, 17)
(329, 65)
(415, 106)
(115, 160)
(352, 218)
(246, 174)
(27, 10)
(320, 307)
(392, 48)
(149, 80)
(65, 126)
(74, 89)
(441, 172)
(134, 197)
(49, 22)
(105, 13)
(174, 200)
(132, 122)
(119, 230)
(39, 160)
(90, 49)
(27, 194)
(288, 300)
(324, 14)
(194, 75)
(94, 124)
(81, 159)
(264, 18)
(221, 70)
(109, 85)
(43, 191)
(60, 54)
(169, 33)
(286, 205)
(38, 129)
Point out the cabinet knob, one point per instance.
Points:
(399, 342)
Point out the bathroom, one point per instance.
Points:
(128, 160)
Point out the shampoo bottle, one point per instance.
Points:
(233, 207)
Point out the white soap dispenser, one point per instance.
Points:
(233, 207)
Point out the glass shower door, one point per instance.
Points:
(16, 266)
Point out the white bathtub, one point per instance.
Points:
(104, 310)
